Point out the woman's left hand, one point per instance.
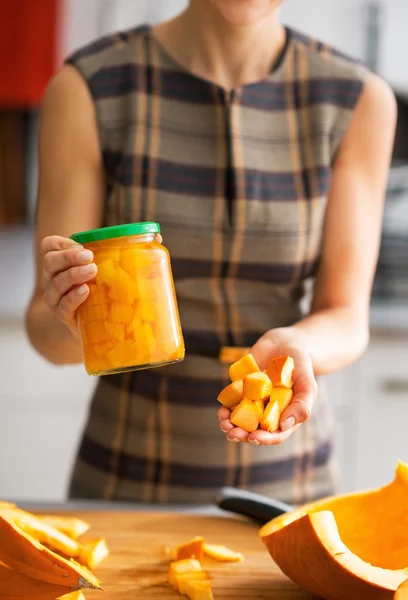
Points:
(280, 342)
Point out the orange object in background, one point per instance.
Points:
(28, 51)
(130, 319)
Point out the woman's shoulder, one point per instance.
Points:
(326, 61)
(115, 50)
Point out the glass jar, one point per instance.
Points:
(130, 320)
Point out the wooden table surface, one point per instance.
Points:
(137, 566)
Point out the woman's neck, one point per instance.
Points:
(228, 55)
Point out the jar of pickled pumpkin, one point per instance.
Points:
(130, 319)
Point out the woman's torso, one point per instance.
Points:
(239, 184)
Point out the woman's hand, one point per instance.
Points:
(67, 267)
(280, 342)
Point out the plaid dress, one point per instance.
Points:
(239, 183)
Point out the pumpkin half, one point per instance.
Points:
(347, 547)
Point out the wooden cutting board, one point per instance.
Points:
(137, 566)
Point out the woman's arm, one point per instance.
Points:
(337, 331)
(338, 327)
(70, 199)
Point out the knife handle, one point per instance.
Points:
(249, 504)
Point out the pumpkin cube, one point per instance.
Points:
(116, 331)
(123, 288)
(260, 407)
(97, 296)
(280, 371)
(150, 288)
(200, 590)
(146, 310)
(89, 313)
(257, 386)
(106, 272)
(120, 313)
(243, 366)
(271, 418)
(182, 566)
(136, 260)
(101, 349)
(94, 333)
(246, 416)
(222, 553)
(135, 324)
(184, 579)
(146, 338)
(108, 253)
(282, 396)
(93, 552)
(232, 394)
(190, 549)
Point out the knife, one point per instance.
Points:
(249, 504)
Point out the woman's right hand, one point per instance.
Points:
(67, 267)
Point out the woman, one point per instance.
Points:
(263, 154)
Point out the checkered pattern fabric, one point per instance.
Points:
(239, 183)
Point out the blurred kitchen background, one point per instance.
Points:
(43, 407)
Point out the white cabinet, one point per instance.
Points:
(382, 412)
(370, 408)
(43, 409)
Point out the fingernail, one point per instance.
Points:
(225, 428)
(87, 269)
(81, 290)
(232, 439)
(288, 423)
(85, 256)
(254, 442)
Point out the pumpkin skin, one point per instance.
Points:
(347, 547)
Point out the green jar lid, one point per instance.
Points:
(107, 233)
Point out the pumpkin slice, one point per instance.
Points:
(73, 596)
(222, 553)
(246, 416)
(22, 552)
(190, 549)
(282, 396)
(71, 526)
(257, 386)
(184, 579)
(7, 505)
(280, 371)
(16, 586)
(260, 407)
(346, 547)
(182, 566)
(41, 531)
(243, 366)
(271, 417)
(93, 552)
(232, 394)
(199, 590)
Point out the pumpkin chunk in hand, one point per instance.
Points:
(243, 366)
(246, 416)
(280, 371)
(232, 394)
(257, 386)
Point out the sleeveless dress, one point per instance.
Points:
(239, 184)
